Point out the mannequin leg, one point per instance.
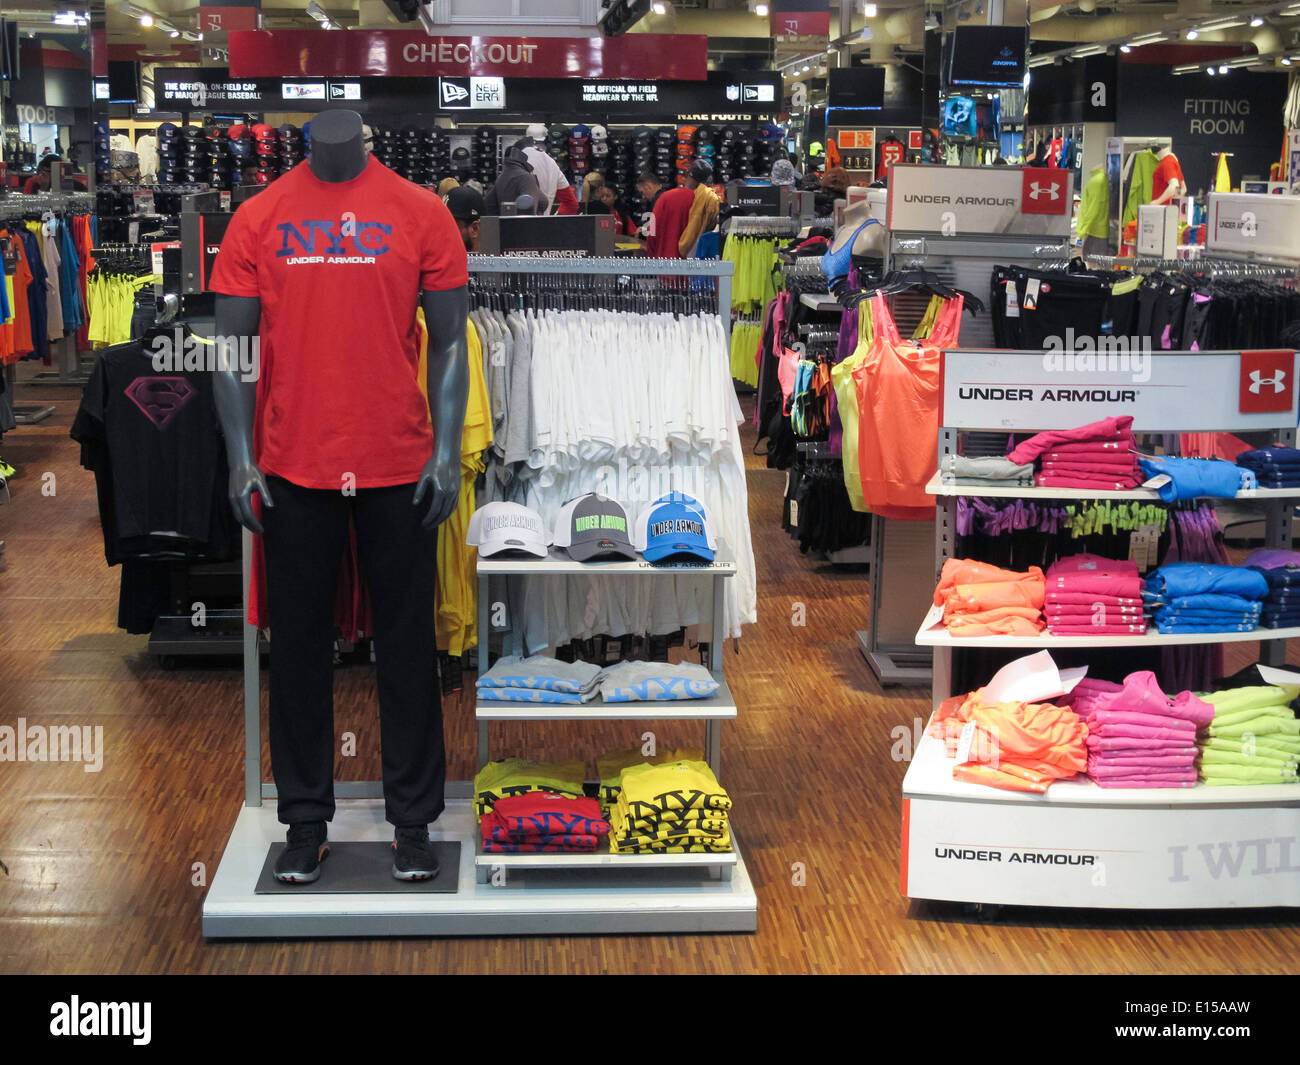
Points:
(305, 533)
(399, 562)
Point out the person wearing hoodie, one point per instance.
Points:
(704, 208)
(516, 179)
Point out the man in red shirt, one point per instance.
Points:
(672, 211)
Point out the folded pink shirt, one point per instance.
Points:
(1121, 585)
(1142, 694)
(1085, 615)
(1090, 483)
(1144, 758)
(1105, 718)
(1131, 743)
(1143, 732)
(1148, 781)
(1113, 429)
(1120, 444)
(1056, 597)
(1085, 562)
(1087, 464)
(1109, 629)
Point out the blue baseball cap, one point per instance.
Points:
(675, 524)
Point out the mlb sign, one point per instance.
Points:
(1045, 190)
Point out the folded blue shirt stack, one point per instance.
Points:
(1193, 478)
(539, 679)
(1274, 467)
(1281, 569)
(1201, 597)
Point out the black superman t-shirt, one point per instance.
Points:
(152, 440)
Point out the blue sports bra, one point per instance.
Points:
(836, 264)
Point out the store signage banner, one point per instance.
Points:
(413, 53)
(1266, 226)
(800, 18)
(958, 201)
(472, 94)
(227, 19)
(1079, 381)
(1050, 852)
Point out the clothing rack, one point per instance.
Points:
(759, 225)
(1216, 267)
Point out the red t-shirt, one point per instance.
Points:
(667, 223)
(339, 267)
(1167, 170)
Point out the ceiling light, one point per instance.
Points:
(1147, 38)
(760, 10)
(1286, 60)
(146, 21)
(1192, 35)
(870, 10)
(1223, 24)
(1190, 68)
(1209, 70)
(173, 33)
(931, 22)
(659, 8)
(1223, 69)
(1256, 21)
(1126, 48)
(1087, 50)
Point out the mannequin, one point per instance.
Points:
(319, 366)
(1168, 184)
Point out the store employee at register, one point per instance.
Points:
(335, 430)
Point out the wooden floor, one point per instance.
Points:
(101, 866)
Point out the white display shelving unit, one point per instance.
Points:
(1081, 845)
(512, 894)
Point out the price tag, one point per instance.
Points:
(933, 616)
(143, 201)
(1031, 293)
(965, 741)
(1013, 301)
(794, 513)
(133, 233)
(225, 200)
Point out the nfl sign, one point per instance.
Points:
(733, 92)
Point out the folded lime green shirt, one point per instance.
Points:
(1268, 759)
(1270, 745)
(1258, 726)
(1237, 716)
(1248, 774)
(1243, 698)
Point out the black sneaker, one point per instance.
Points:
(414, 857)
(304, 851)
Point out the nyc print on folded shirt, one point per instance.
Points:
(627, 682)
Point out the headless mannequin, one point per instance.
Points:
(338, 154)
(1175, 188)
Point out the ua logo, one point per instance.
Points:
(1036, 190)
(1258, 381)
(160, 399)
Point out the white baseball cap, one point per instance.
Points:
(500, 527)
(599, 133)
(536, 132)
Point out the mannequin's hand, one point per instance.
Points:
(439, 486)
(246, 479)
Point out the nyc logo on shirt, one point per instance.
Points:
(335, 242)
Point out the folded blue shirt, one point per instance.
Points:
(1193, 478)
(1205, 601)
(1269, 456)
(1201, 626)
(1194, 578)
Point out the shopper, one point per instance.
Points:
(705, 207)
(555, 186)
(40, 181)
(668, 221)
(607, 200)
(516, 179)
(466, 207)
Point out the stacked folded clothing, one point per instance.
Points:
(1254, 738)
(520, 776)
(610, 766)
(542, 823)
(1274, 467)
(539, 679)
(1139, 737)
(1089, 694)
(626, 682)
(1281, 609)
(1015, 745)
(1201, 597)
(1088, 595)
(1193, 478)
(1095, 456)
(983, 600)
(675, 808)
(995, 472)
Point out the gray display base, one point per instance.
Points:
(362, 869)
(541, 902)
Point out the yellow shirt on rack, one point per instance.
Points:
(846, 403)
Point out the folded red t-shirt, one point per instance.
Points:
(543, 814)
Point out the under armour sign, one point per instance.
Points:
(1267, 381)
(1045, 190)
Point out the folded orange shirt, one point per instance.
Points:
(1003, 621)
(967, 571)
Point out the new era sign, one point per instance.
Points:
(1045, 190)
(1267, 382)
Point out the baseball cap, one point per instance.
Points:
(536, 132)
(497, 528)
(580, 132)
(263, 132)
(593, 526)
(599, 133)
(675, 524)
(464, 203)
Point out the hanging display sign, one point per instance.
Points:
(969, 201)
(413, 53)
(227, 19)
(1079, 380)
(1261, 226)
(800, 18)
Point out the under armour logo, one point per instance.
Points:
(1258, 381)
(160, 399)
(1036, 190)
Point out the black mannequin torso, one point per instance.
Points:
(338, 149)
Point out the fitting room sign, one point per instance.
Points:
(413, 53)
(954, 201)
(1085, 379)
